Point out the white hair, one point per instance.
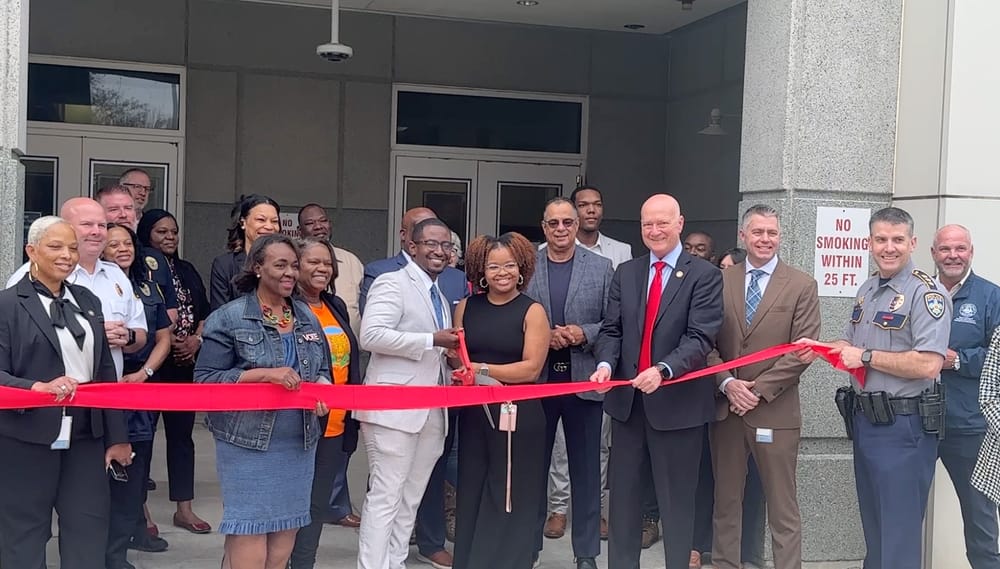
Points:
(41, 226)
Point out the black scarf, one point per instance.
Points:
(63, 312)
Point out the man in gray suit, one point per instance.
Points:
(572, 284)
(407, 328)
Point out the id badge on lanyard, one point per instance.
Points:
(508, 424)
(65, 430)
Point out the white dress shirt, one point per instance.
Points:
(78, 362)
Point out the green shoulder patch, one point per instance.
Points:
(925, 278)
(934, 301)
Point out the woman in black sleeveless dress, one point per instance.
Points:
(508, 339)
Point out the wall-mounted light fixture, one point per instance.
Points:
(714, 127)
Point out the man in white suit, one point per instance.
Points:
(407, 328)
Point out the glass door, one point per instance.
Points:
(512, 196)
(106, 160)
(476, 197)
(446, 186)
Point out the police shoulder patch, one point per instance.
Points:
(152, 264)
(925, 278)
(934, 301)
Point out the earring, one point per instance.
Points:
(483, 284)
(258, 275)
(520, 280)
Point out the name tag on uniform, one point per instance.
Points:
(765, 436)
(62, 440)
(889, 320)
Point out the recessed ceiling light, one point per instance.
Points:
(527, 2)
(635, 26)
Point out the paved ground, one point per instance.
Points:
(338, 548)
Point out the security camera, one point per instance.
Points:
(334, 51)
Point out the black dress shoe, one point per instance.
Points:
(150, 485)
(148, 544)
(120, 565)
(586, 563)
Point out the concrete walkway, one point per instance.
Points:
(338, 547)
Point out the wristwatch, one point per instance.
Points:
(958, 363)
(149, 371)
(663, 369)
(131, 337)
(866, 358)
(483, 370)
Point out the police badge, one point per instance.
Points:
(897, 302)
(934, 301)
(152, 264)
(145, 289)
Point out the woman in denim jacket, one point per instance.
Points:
(264, 459)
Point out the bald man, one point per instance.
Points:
(430, 517)
(664, 312)
(976, 314)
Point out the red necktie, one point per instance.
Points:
(652, 307)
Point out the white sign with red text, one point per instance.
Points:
(841, 250)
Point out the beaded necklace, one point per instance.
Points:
(271, 318)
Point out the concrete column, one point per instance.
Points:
(819, 129)
(946, 169)
(13, 118)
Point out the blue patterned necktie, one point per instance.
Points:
(753, 293)
(438, 307)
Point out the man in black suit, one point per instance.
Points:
(664, 311)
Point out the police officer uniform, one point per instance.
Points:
(976, 315)
(894, 461)
(127, 521)
(156, 269)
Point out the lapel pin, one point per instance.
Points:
(679, 274)
(90, 313)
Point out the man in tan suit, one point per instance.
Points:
(766, 302)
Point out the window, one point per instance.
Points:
(109, 97)
(500, 123)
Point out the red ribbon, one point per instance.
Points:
(264, 396)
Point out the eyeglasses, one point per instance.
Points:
(509, 267)
(134, 187)
(446, 246)
(555, 223)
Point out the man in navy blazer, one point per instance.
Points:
(659, 426)
(572, 284)
(454, 286)
(452, 281)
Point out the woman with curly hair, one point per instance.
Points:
(507, 334)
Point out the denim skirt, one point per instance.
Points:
(267, 491)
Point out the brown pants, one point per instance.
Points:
(732, 440)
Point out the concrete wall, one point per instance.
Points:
(265, 114)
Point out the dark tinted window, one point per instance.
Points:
(465, 121)
(112, 97)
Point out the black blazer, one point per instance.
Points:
(339, 309)
(225, 267)
(29, 352)
(684, 334)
